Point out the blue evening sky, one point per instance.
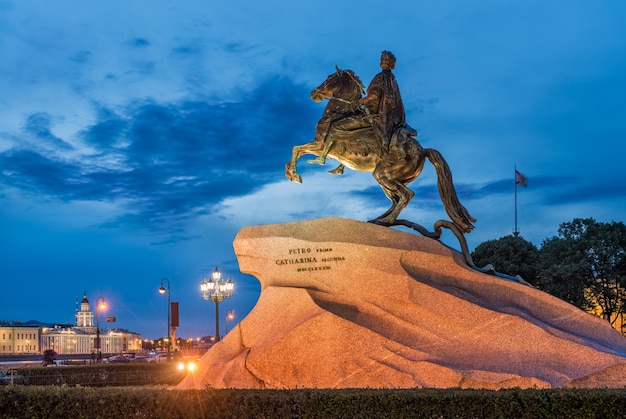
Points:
(138, 137)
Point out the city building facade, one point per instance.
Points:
(80, 338)
(19, 339)
(73, 340)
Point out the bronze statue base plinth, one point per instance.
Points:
(348, 304)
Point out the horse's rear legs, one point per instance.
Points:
(397, 192)
(403, 196)
(337, 170)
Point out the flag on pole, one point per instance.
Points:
(520, 179)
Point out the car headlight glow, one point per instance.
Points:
(189, 366)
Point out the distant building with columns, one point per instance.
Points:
(84, 317)
(81, 337)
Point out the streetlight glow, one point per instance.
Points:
(100, 305)
(169, 316)
(230, 315)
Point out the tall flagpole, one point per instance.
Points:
(515, 231)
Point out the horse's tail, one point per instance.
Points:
(457, 212)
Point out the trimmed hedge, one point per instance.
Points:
(99, 375)
(63, 402)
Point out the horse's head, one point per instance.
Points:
(342, 84)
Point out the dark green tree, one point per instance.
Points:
(509, 255)
(563, 271)
(606, 254)
(586, 265)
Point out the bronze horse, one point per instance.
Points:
(359, 150)
(354, 145)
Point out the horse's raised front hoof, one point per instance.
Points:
(317, 160)
(295, 177)
(291, 174)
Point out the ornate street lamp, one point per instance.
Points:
(169, 322)
(216, 291)
(100, 305)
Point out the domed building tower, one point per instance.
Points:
(84, 317)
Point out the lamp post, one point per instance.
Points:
(216, 291)
(162, 291)
(230, 315)
(100, 305)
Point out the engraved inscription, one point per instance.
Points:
(307, 259)
(295, 261)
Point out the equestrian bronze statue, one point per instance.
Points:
(350, 133)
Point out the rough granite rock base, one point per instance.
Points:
(347, 304)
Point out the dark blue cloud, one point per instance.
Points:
(170, 161)
(139, 43)
(576, 192)
(557, 190)
(189, 49)
(109, 129)
(39, 125)
(81, 57)
(35, 173)
(506, 186)
(426, 196)
(238, 47)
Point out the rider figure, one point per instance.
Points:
(383, 102)
(383, 107)
(322, 129)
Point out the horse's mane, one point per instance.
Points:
(356, 78)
